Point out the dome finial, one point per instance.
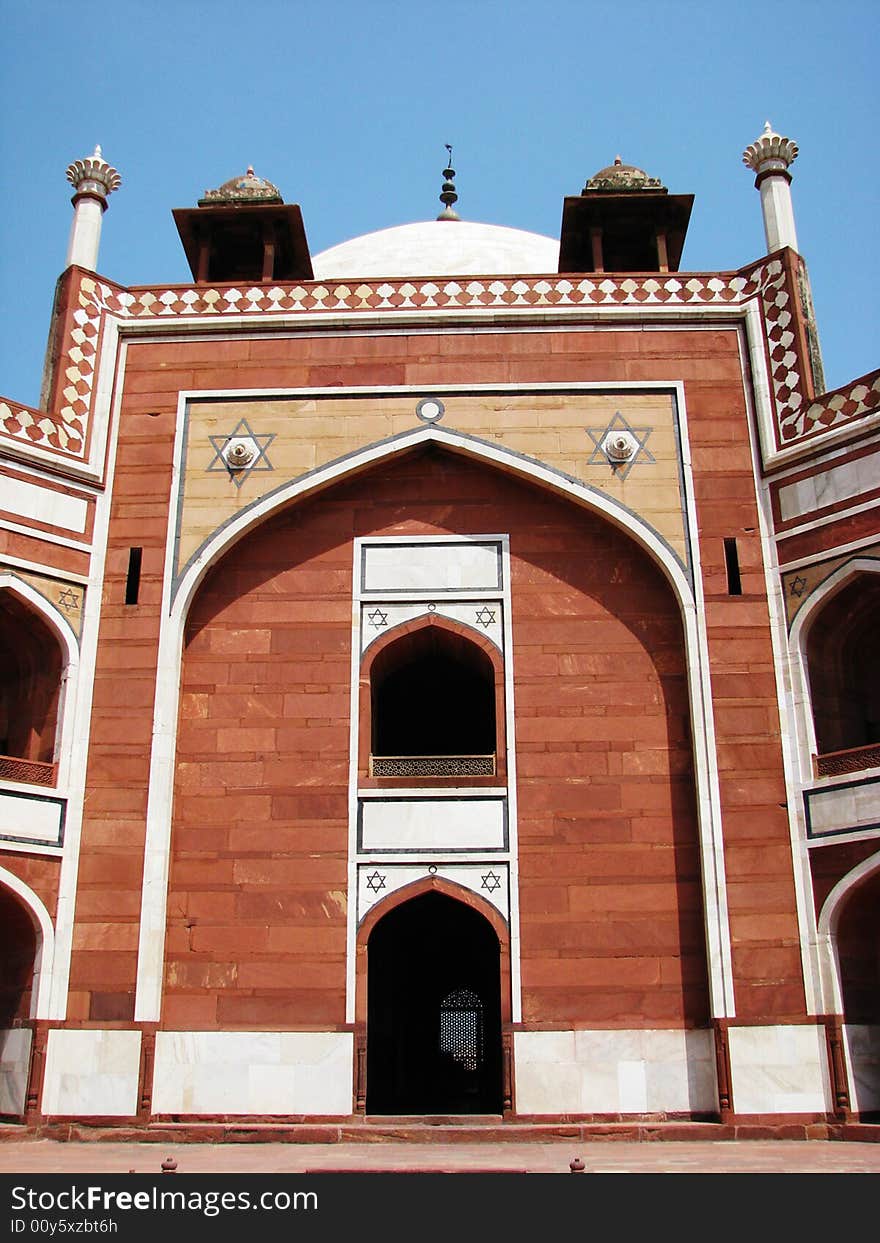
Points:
(448, 194)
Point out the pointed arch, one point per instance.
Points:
(423, 942)
(45, 941)
(459, 893)
(68, 646)
(807, 616)
(180, 591)
(485, 675)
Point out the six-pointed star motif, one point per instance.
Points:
(486, 616)
(69, 600)
(619, 424)
(375, 882)
(257, 442)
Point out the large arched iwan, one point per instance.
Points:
(422, 950)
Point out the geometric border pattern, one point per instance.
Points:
(65, 430)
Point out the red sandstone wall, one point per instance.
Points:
(761, 894)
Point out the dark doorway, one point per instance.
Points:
(17, 960)
(844, 667)
(30, 680)
(434, 1011)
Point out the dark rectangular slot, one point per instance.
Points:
(731, 559)
(133, 582)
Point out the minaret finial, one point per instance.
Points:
(448, 194)
(769, 157)
(93, 179)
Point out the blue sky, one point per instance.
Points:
(346, 107)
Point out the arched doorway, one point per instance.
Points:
(19, 939)
(844, 673)
(433, 1010)
(31, 669)
(858, 955)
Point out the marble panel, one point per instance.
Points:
(275, 1073)
(779, 1070)
(844, 807)
(92, 1073)
(862, 1045)
(840, 483)
(30, 818)
(15, 1053)
(595, 1072)
(29, 500)
(433, 824)
(464, 565)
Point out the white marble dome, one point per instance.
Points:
(439, 248)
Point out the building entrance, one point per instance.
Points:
(434, 1010)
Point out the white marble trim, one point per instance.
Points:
(80, 711)
(787, 721)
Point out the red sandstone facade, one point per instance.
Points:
(441, 758)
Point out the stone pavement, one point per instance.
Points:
(44, 1156)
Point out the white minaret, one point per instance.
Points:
(770, 156)
(92, 179)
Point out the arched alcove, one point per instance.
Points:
(432, 703)
(843, 662)
(19, 939)
(31, 670)
(858, 951)
(432, 693)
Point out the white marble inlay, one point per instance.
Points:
(91, 1073)
(29, 500)
(779, 1070)
(830, 486)
(862, 1045)
(592, 1072)
(274, 1073)
(15, 1053)
(844, 807)
(30, 818)
(482, 616)
(432, 824)
(465, 565)
(377, 880)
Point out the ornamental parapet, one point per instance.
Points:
(93, 303)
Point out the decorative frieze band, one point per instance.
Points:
(91, 300)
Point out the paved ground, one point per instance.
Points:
(706, 1157)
